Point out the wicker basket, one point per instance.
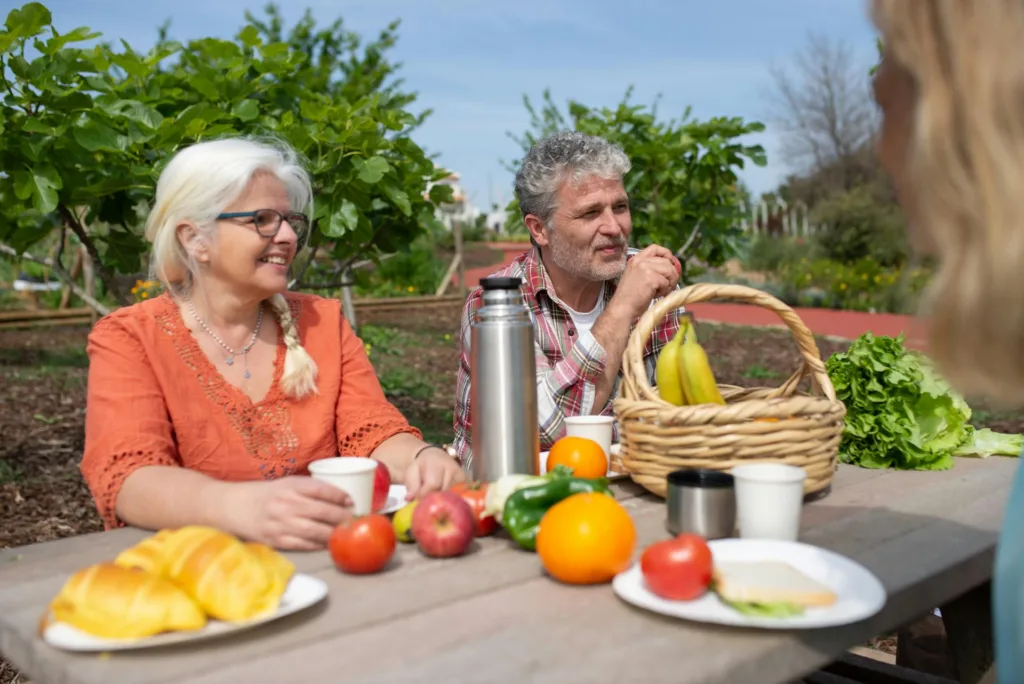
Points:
(756, 425)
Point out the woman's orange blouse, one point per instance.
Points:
(154, 398)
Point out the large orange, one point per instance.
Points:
(584, 456)
(586, 538)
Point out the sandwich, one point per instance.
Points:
(773, 589)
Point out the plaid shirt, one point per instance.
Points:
(569, 362)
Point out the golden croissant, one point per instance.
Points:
(146, 555)
(110, 601)
(231, 580)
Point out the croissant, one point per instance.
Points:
(146, 555)
(230, 580)
(110, 601)
(276, 563)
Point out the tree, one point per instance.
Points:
(86, 131)
(825, 114)
(683, 185)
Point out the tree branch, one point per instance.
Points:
(305, 267)
(105, 275)
(62, 274)
(681, 252)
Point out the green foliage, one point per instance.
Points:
(864, 285)
(771, 252)
(86, 130)
(683, 179)
(857, 224)
(414, 270)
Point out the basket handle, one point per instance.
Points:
(633, 356)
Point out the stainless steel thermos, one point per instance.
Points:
(503, 384)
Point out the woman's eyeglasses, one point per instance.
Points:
(268, 221)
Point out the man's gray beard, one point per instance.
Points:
(577, 263)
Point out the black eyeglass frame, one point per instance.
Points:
(281, 218)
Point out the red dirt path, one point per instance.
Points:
(843, 324)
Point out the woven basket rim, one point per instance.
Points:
(635, 387)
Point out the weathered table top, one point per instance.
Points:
(494, 616)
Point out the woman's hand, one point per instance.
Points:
(294, 513)
(432, 471)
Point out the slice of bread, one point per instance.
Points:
(767, 582)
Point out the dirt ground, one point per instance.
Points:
(42, 407)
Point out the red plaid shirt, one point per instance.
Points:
(569, 362)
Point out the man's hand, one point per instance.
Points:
(652, 273)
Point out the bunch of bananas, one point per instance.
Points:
(683, 373)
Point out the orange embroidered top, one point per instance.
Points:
(154, 398)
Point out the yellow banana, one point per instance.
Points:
(695, 375)
(666, 371)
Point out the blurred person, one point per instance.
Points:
(950, 89)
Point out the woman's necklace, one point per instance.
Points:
(245, 350)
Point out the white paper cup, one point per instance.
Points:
(597, 428)
(352, 474)
(769, 499)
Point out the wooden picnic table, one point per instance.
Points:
(493, 616)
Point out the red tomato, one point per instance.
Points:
(474, 494)
(363, 545)
(678, 569)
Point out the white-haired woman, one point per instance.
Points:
(207, 403)
(951, 89)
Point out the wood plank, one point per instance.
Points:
(544, 632)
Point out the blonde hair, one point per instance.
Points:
(965, 168)
(194, 187)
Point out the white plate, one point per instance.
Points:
(396, 499)
(859, 593)
(303, 591)
(612, 474)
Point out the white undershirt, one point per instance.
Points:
(584, 321)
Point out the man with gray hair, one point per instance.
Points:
(584, 287)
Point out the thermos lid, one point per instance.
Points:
(509, 283)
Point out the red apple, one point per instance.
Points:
(443, 524)
(381, 486)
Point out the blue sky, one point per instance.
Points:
(472, 62)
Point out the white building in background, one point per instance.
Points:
(461, 209)
(496, 218)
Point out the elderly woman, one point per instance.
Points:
(951, 89)
(206, 404)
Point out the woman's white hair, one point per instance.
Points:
(195, 186)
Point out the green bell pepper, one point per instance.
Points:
(525, 507)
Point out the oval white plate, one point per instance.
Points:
(859, 593)
(303, 591)
(612, 474)
(396, 499)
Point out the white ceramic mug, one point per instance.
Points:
(769, 499)
(597, 428)
(352, 474)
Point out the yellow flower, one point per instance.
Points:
(145, 295)
(411, 289)
(878, 279)
(447, 336)
(842, 286)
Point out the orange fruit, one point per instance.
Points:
(584, 456)
(586, 538)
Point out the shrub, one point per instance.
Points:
(859, 224)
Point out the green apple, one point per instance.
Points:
(402, 521)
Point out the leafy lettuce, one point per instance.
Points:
(900, 413)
